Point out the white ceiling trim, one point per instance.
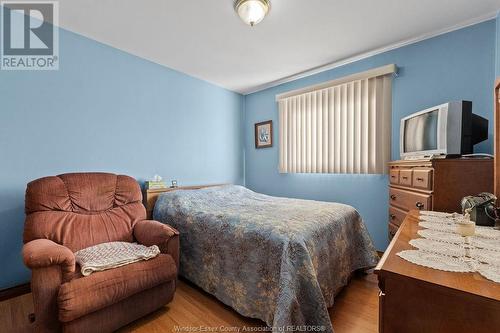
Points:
(372, 53)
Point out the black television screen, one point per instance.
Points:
(421, 132)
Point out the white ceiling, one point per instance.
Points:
(206, 39)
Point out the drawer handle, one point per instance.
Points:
(393, 197)
(404, 177)
(392, 216)
(420, 179)
(419, 205)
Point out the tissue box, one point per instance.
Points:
(151, 184)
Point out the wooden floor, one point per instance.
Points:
(355, 310)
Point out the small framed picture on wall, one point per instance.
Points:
(264, 134)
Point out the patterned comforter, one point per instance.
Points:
(277, 259)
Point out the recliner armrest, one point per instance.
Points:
(41, 253)
(150, 232)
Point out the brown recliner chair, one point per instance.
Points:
(70, 212)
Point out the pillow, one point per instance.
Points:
(113, 254)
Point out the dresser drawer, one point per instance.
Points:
(405, 177)
(408, 200)
(396, 215)
(394, 176)
(422, 178)
(392, 230)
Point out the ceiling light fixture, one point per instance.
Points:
(252, 11)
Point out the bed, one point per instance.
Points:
(280, 260)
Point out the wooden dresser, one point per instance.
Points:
(416, 299)
(437, 184)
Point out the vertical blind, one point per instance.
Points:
(342, 128)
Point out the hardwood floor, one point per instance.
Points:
(355, 310)
(14, 314)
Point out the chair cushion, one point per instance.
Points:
(99, 290)
(84, 193)
(79, 210)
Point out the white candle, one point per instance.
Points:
(466, 228)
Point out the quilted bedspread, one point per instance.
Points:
(277, 259)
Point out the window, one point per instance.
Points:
(342, 126)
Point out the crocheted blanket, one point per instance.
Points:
(113, 254)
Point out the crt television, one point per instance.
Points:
(448, 129)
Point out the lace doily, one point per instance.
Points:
(448, 237)
(457, 250)
(436, 261)
(451, 226)
(436, 214)
(443, 249)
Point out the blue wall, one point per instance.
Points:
(455, 66)
(498, 46)
(106, 110)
